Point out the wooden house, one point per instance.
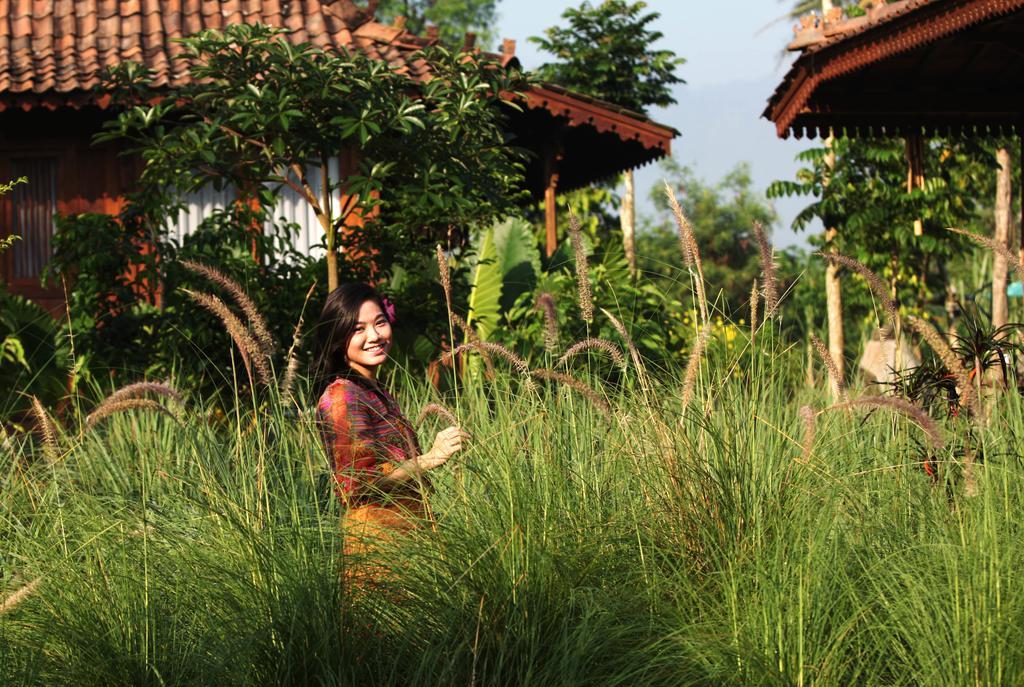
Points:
(53, 51)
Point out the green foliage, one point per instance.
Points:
(605, 51)
(7, 241)
(852, 8)
(129, 315)
(655, 318)
(453, 18)
(722, 216)
(258, 111)
(35, 356)
(507, 262)
(865, 198)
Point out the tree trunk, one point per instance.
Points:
(332, 270)
(834, 310)
(833, 292)
(627, 218)
(1000, 308)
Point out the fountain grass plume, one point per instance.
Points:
(582, 388)
(546, 304)
(913, 412)
(140, 389)
(292, 369)
(464, 327)
(583, 292)
(810, 428)
(496, 349)
(438, 410)
(19, 595)
(47, 428)
(693, 364)
(634, 352)
(593, 344)
(444, 273)
(689, 248)
(949, 360)
(771, 279)
(687, 241)
(754, 297)
(875, 282)
(996, 247)
(241, 298)
(472, 336)
(106, 409)
(252, 355)
(838, 384)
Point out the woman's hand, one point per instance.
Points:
(447, 442)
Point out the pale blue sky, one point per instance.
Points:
(734, 60)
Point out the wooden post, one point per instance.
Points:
(552, 155)
(1000, 309)
(627, 221)
(915, 170)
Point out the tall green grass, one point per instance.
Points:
(704, 546)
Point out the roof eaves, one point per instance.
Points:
(848, 51)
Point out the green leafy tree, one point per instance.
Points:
(862, 192)
(723, 215)
(259, 112)
(605, 51)
(453, 18)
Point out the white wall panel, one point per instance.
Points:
(291, 207)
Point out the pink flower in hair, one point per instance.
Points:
(389, 309)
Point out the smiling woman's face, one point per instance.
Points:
(371, 340)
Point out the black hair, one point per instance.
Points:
(337, 323)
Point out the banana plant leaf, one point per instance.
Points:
(507, 264)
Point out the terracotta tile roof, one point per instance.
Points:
(52, 51)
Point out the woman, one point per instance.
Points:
(377, 463)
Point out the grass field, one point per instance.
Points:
(721, 544)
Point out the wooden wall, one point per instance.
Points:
(88, 178)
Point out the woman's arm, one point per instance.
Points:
(447, 442)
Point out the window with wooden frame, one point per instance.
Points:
(32, 207)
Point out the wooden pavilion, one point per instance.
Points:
(911, 69)
(52, 53)
(906, 68)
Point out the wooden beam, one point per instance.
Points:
(552, 155)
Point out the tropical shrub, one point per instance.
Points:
(130, 313)
(35, 357)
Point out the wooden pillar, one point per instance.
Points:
(1000, 309)
(915, 170)
(552, 156)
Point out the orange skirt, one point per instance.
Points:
(369, 526)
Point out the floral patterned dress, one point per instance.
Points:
(367, 437)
